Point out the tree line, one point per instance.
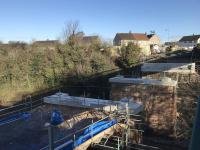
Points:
(28, 67)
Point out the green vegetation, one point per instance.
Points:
(130, 55)
(29, 68)
(197, 47)
(169, 49)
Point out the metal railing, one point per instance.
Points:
(25, 106)
(72, 136)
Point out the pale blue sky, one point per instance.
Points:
(42, 19)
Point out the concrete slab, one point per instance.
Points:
(122, 80)
(184, 68)
(81, 102)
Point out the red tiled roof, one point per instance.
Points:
(132, 36)
(140, 36)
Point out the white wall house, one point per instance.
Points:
(189, 42)
(139, 39)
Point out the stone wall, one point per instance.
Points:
(188, 89)
(159, 103)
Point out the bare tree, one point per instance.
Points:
(70, 30)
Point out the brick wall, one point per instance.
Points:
(159, 103)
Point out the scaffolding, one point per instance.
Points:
(128, 136)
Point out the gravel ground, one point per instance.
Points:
(31, 134)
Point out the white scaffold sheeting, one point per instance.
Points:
(107, 105)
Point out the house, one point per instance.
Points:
(154, 42)
(85, 41)
(189, 42)
(167, 44)
(139, 39)
(171, 46)
(88, 40)
(46, 43)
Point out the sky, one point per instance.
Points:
(27, 20)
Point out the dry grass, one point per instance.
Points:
(10, 96)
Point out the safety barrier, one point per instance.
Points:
(82, 135)
(15, 117)
(23, 107)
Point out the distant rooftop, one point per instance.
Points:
(189, 38)
(89, 39)
(170, 43)
(132, 36)
(46, 42)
